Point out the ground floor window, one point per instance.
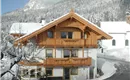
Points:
(25, 73)
(32, 73)
(74, 71)
(49, 71)
(39, 72)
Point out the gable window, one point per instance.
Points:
(74, 71)
(49, 53)
(68, 35)
(50, 34)
(49, 71)
(126, 42)
(113, 42)
(63, 34)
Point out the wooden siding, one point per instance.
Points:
(67, 62)
(76, 41)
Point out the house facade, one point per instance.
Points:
(119, 46)
(70, 48)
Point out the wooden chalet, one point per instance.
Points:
(67, 32)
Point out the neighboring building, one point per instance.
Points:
(71, 47)
(119, 46)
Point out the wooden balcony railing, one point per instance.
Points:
(67, 62)
(68, 43)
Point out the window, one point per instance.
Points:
(70, 53)
(49, 53)
(66, 53)
(63, 35)
(113, 42)
(102, 50)
(32, 73)
(50, 34)
(126, 42)
(68, 35)
(74, 53)
(74, 71)
(25, 73)
(49, 71)
(86, 35)
(39, 72)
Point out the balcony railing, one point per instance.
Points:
(68, 43)
(67, 62)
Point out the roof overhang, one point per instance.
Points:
(55, 22)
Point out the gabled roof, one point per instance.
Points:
(115, 27)
(25, 28)
(71, 14)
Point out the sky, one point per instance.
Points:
(10, 5)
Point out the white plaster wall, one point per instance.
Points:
(82, 74)
(58, 71)
(120, 41)
(80, 54)
(91, 52)
(59, 52)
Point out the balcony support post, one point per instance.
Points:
(83, 43)
(55, 41)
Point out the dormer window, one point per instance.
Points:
(50, 34)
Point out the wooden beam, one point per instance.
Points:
(99, 36)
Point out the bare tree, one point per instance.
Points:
(11, 55)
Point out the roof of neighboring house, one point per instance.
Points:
(71, 14)
(25, 28)
(115, 27)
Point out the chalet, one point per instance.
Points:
(71, 47)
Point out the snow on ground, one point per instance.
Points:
(108, 69)
(119, 53)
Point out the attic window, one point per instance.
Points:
(68, 35)
(50, 34)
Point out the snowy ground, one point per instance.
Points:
(119, 69)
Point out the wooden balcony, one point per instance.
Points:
(67, 62)
(63, 42)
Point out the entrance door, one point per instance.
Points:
(66, 73)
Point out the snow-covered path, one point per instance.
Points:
(108, 69)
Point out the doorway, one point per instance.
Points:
(66, 73)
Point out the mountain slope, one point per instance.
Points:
(93, 10)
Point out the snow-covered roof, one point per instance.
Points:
(25, 28)
(60, 19)
(115, 27)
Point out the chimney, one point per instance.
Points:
(43, 22)
(128, 17)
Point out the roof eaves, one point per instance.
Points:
(94, 25)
